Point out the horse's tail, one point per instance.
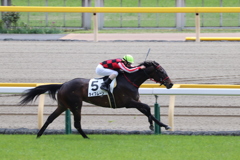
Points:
(32, 94)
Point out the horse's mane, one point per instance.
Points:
(149, 63)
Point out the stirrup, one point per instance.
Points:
(105, 87)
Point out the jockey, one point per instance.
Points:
(110, 67)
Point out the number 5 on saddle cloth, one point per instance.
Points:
(94, 90)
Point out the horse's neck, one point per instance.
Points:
(136, 78)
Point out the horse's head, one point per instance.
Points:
(155, 72)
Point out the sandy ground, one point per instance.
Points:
(185, 62)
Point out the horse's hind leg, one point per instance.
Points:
(75, 106)
(77, 121)
(50, 119)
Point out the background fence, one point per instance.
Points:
(130, 20)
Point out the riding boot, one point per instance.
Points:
(105, 85)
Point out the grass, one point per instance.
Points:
(118, 20)
(118, 147)
(67, 31)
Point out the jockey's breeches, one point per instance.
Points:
(100, 70)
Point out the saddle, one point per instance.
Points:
(95, 91)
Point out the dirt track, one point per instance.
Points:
(185, 62)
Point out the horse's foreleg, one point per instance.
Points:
(149, 117)
(145, 109)
(160, 123)
(50, 119)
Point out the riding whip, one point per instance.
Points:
(147, 53)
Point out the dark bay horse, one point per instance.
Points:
(71, 94)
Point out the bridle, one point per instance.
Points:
(161, 80)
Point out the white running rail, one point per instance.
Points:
(143, 91)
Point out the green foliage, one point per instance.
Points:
(11, 21)
(119, 147)
(1, 24)
(25, 29)
(10, 18)
(31, 30)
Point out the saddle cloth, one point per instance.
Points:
(94, 85)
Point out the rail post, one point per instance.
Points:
(157, 128)
(197, 25)
(95, 29)
(40, 110)
(68, 129)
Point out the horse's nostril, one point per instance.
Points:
(170, 86)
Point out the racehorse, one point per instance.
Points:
(71, 94)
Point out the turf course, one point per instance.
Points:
(119, 147)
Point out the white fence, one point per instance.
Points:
(143, 91)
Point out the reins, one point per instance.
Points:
(159, 81)
(130, 80)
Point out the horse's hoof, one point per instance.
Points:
(168, 127)
(151, 127)
(85, 137)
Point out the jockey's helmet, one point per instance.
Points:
(128, 58)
